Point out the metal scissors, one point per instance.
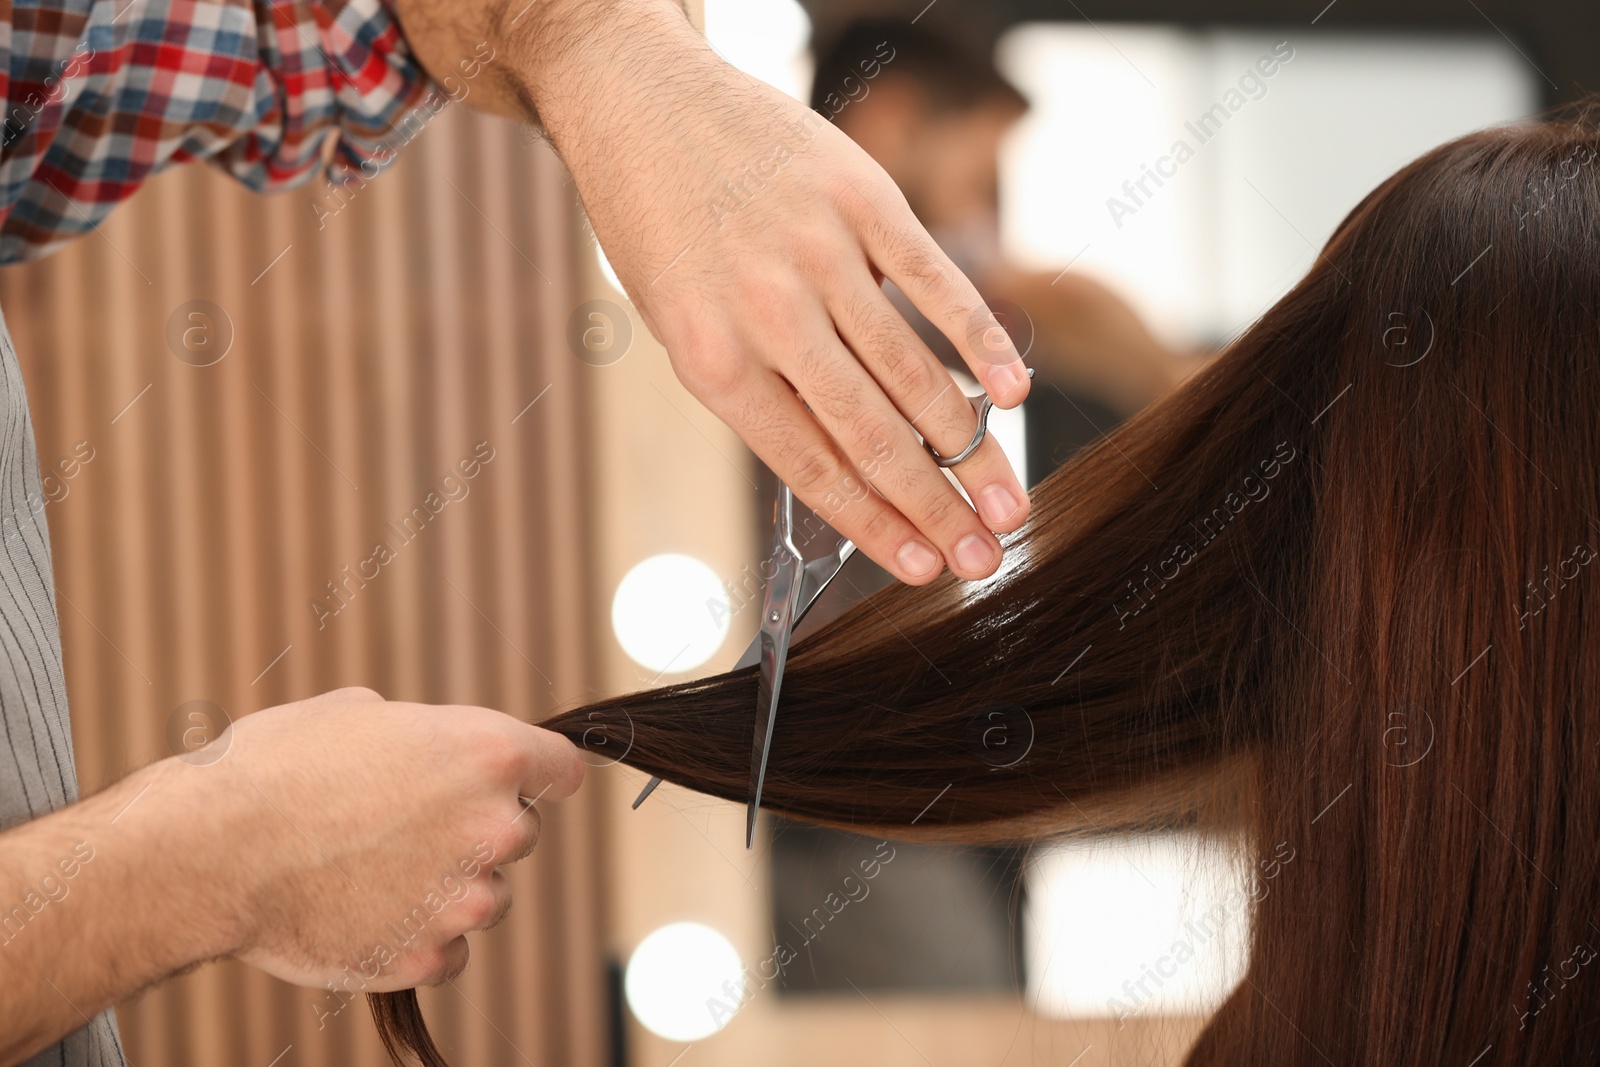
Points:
(794, 587)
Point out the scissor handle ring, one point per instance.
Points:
(972, 445)
(978, 435)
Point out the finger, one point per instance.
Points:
(901, 249)
(475, 903)
(929, 399)
(523, 836)
(551, 768)
(854, 411)
(451, 961)
(352, 694)
(500, 886)
(775, 424)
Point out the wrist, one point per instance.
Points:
(573, 61)
(180, 855)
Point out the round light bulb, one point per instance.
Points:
(684, 981)
(670, 612)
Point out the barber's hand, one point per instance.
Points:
(753, 236)
(362, 822)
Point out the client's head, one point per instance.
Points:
(931, 110)
(1338, 592)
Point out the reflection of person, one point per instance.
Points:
(1336, 595)
(764, 309)
(933, 114)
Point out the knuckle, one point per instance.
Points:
(811, 255)
(500, 760)
(908, 372)
(479, 905)
(505, 839)
(433, 966)
(768, 295)
(921, 266)
(520, 836)
(879, 526)
(355, 694)
(570, 768)
(818, 365)
(874, 436)
(812, 469)
(951, 429)
(884, 341)
(867, 201)
(451, 959)
(842, 498)
(708, 368)
(941, 507)
(502, 908)
(846, 196)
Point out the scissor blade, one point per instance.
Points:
(809, 596)
(649, 787)
(779, 607)
(774, 655)
(819, 574)
(752, 656)
(752, 652)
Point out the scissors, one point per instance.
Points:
(794, 587)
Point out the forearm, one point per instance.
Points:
(100, 900)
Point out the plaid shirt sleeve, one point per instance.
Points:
(101, 94)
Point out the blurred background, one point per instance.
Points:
(266, 389)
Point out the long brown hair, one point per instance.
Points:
(1330, 594)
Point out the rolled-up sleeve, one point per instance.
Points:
(101, 94)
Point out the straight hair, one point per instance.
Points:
(1333, 594)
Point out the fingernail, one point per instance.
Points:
(974, 553)
(998, 505)
(916, 558)
(1005, 378)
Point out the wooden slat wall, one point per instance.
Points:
(386, 342)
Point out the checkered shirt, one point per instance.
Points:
(101, 94)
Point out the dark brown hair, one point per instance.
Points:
(1331, 594)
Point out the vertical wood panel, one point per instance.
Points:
(414, 323)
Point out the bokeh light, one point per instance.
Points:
(684, 981)
(670, 612)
